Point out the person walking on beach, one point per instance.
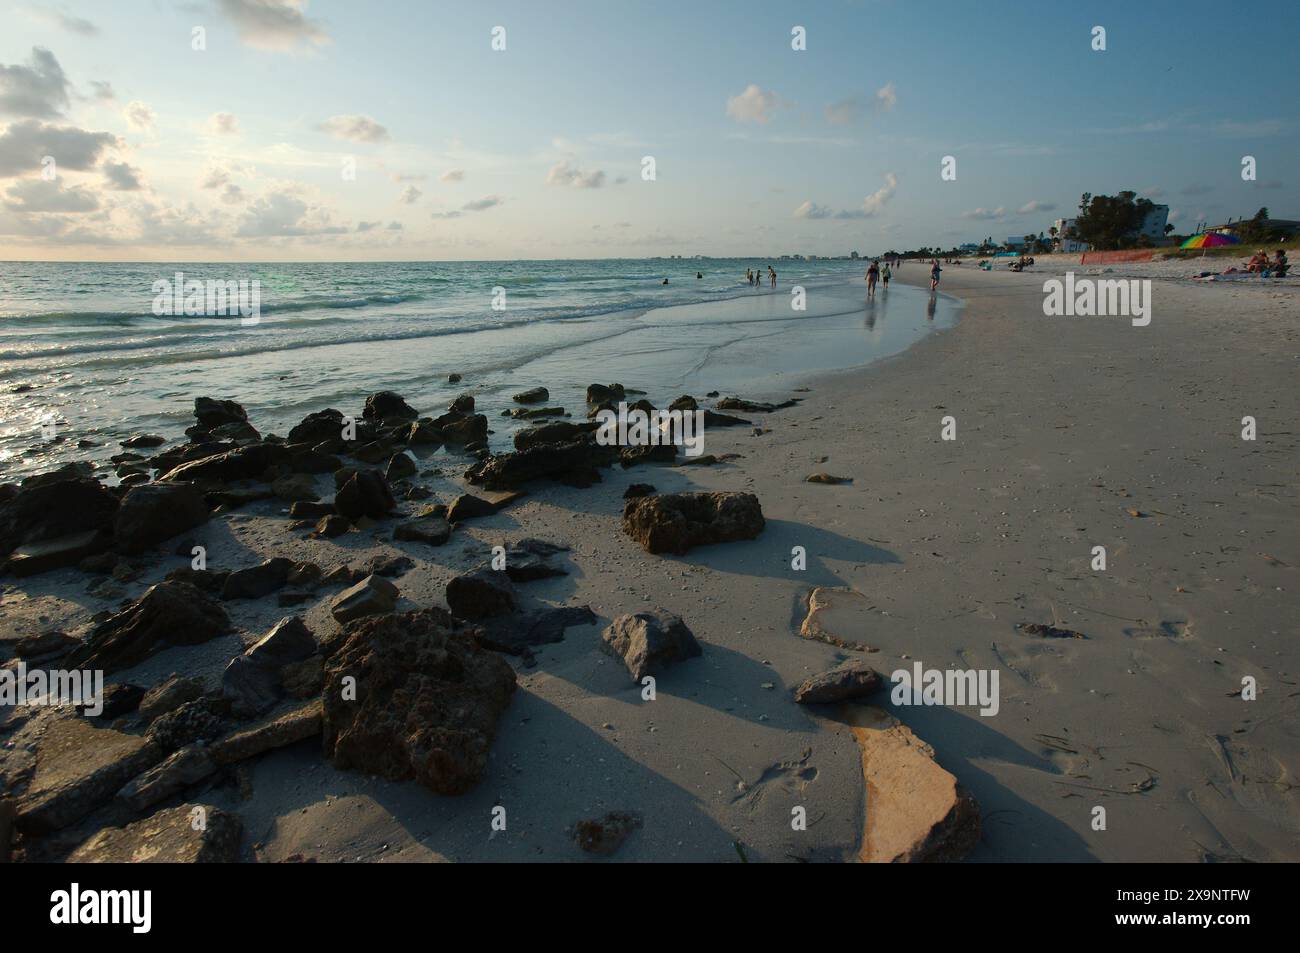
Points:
(873, 275)
(885, 274)
(934, 274)
(771, 273)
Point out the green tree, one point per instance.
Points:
(1110, 221)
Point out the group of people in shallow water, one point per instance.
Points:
(755, 277)
(877, 274)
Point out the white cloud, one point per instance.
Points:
(274, 25)
(886, 97)
(871, 205)
(565, 173)
(483, 204)
(1036, 206)
(874, 202)
(102, 90)
(24, 144)
(453, 175)
(845, 112)
(354, 128)
(223, 124)
(122, 177)
(410, 195)
(982, 214)
(38, 90)
(139, 116)
(282, 213)
(753, 105)
(66, 21)
(38, 195)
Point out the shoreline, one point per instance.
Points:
(952, 542)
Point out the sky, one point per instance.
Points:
(245, 130)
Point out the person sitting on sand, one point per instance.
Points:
(1279, 266)
(1258, 261)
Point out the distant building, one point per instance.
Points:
(1067, 244)
(1153, 225)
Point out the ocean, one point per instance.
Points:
(85, 358)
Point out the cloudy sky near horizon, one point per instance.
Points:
(243, 149)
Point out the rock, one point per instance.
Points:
(323, 425)
(69, 472)
(387, 406)
(852, 679)
(208, 580)
(464, 404)
(453, 378)
(212, 413)
(328, 527)
(377, 451)
(826, 478)
(135, 441)
(295, 487)
(750, 406)
(313, 461)
(428, 699)
(685, 402)
(31, 559)
(274, 732)
(648, 642)
(712, 419)
(170, 695)
(517, 634)
(401, 465)
(171, 612)
(534, 395)
(598, 393)
(156, 512)
(119, 700)
(241, 463)
(605, 835)
(433, 530)
(303, 679)
(529, 413)
(187, 766)
(257, 581)
(47, 643)
(467, 506)
(838, 617)
(1048, 631)
(654, 453)
(371, 596)
(526, 560)
(235, 497)
(481, 594)
(168, 837)
(54, 508)
(197, 720)
(424, 433)
(6, 828)
(252, 681)
(557, 431)
(574, 463)
(365, 493)
(306, 509)
(462, 428)
(916, 812)
(79, 768)
(637, 490)
(382, 564)
(675, 522)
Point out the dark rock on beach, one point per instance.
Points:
(387, 406)
(373, 595)
(212, 413)
(365, 493)
(673, 523)
(574, 463)
(151, 514)
(648, 642)
(534, 395)
(852, 679)
(427, 701)
(169, 613)
(481, 594)
(168, 837)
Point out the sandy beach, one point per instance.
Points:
(1070, 433)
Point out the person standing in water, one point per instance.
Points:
(934, 274)
(873, 275)
(885, 274)
(771, 274)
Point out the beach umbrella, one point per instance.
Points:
(1209, 240)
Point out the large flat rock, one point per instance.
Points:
(839, 617)
(916, 812)
(174, 836)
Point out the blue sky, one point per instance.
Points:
(238, 150)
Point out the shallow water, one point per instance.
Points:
(81, 348)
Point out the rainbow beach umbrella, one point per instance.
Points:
(1209, 240)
